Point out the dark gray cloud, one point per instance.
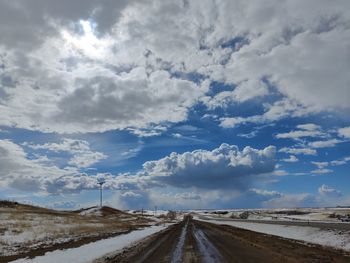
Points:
(26, 24)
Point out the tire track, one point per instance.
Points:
(178, 252)
(208, 251)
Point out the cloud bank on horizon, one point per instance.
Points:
(175, 103)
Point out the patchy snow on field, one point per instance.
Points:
(94, 250)
(339, 239)
(154, 213)
(25, 228)
(92, 211)
(302, 214)
(32, 230)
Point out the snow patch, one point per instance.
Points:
(94, 250)
(96, 211)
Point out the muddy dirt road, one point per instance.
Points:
(196, 241)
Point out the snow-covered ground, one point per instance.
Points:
(92, 251)
(26, 228)
(159, 215)
(303, 214)
(32, 230)
(91, 211)
(332, 238)
(149, 212)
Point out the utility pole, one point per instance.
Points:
(101, 183)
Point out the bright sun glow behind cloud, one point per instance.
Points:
(87, 43)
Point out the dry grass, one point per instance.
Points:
(24, 228)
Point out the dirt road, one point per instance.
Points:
(196, 241)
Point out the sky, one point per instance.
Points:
(176, 104)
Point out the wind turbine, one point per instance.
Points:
(101, 182)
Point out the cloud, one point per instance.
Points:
(82, 155)
(264, 56)
(20, 172)
(308, 127)
(320, 165)
(254, 131)
(291, 200)
(105, 102)
(329, 191)
(39, 175)
(134, 200)
(321, 168)
(292, 150)
(298, 134)
(341, 161)
(304, 130)
(26, 25)
(274, 199)
(344, 132)
(142, 69)
(265, 193)
(65, 205)
(280, 172)
(325, 144)
(188, 196)
(244, 91)
(273, 112)
(338, 162)
(322, 171)
(149, 131)
(142, 66)
(223, 167)
(291, 159)
(170, 198)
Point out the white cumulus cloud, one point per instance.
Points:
(329, 191)
(223, 167)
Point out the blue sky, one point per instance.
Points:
(175, 104)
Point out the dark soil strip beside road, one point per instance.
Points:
(239, 245)
(206, 242)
